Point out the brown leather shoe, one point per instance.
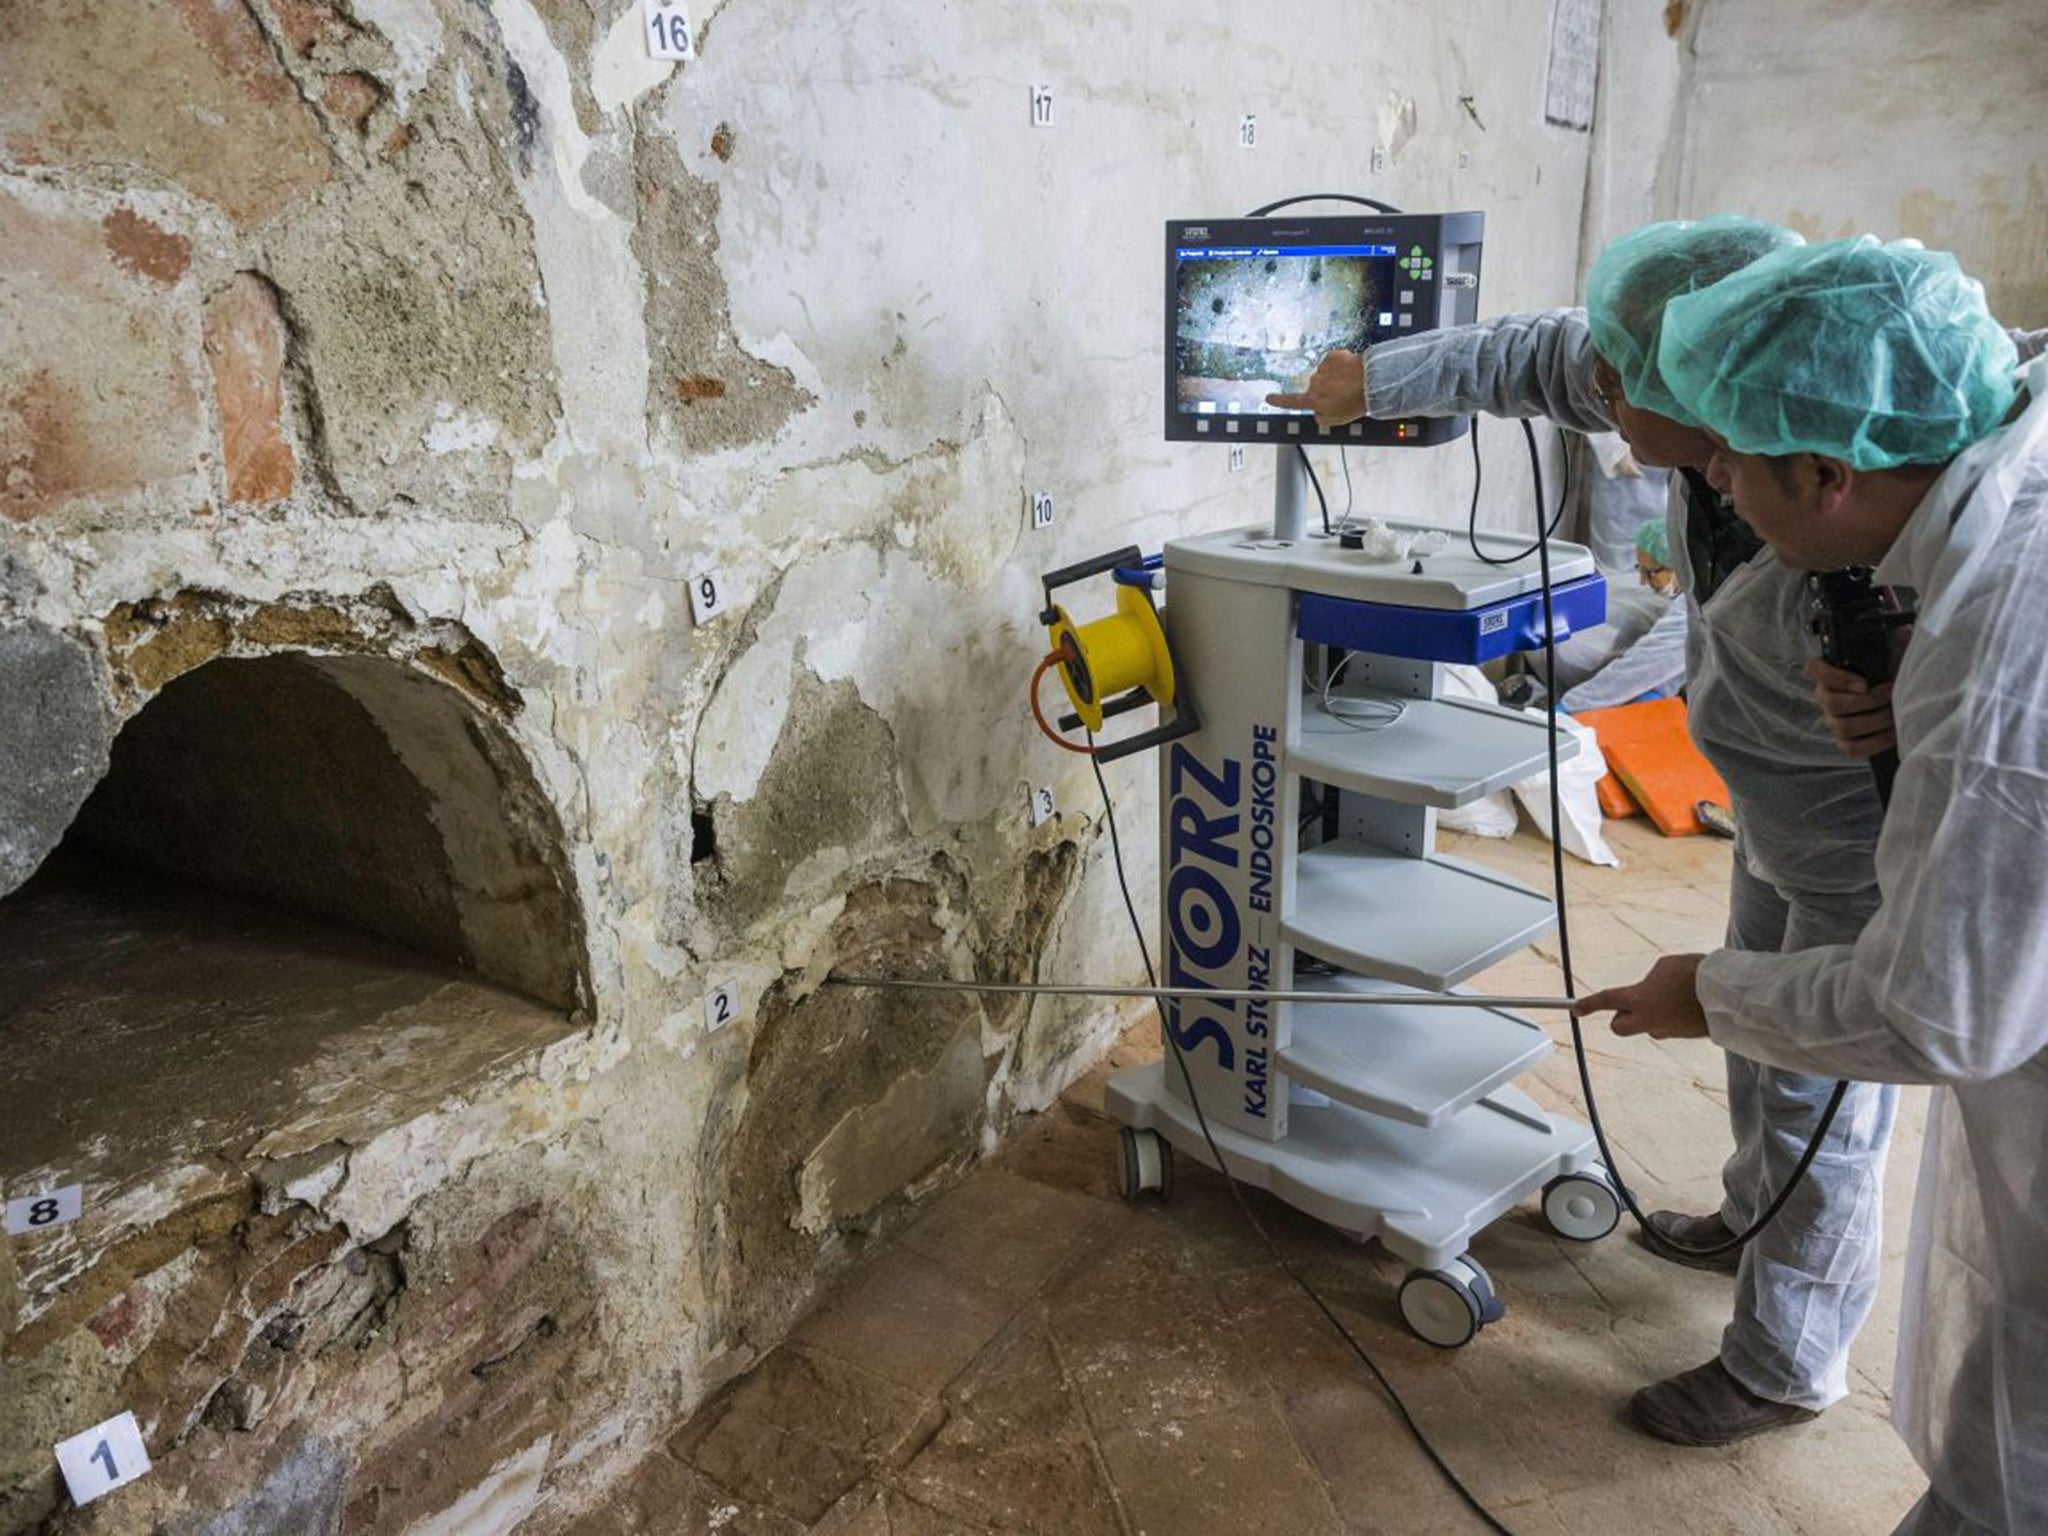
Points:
(1707, 1406)
(1693, 1232)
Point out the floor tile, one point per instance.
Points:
(1237, 1472)
(908, 1321)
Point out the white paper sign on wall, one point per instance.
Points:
(1041, 805)
(1248, 131)
(707, 595)
(721, 1006)
(1041, 509)
(50, 1208)
(1570, 85)
(102, 1458)
(667, 28)
(1236, 457)
(1041, 106)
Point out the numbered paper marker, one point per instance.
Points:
(1041, 106)
(51, 1208)
(1041, 806)
(721, 1006)
(103, 1458)
(1248, 131)
(707, 595)
(667, 26)
(1041, 509)
(1236, 457)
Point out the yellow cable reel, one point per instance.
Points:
(1110, 656)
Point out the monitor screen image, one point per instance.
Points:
(1254, 320)
(1252, 305)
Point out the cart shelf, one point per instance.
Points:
(1421, 1191)
(1419, 1065)
(1440, 752)
(1427, 922)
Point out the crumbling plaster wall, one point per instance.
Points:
(474, 306)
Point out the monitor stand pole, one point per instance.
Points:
(1290, 495)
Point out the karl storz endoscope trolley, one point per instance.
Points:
(1411, 1132)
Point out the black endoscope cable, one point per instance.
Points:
(1415, 1430)
(1318, 484)
(1651, 1236)
(1543, 534)
(1323, 197)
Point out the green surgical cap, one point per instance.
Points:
(1654, 540)
(1876, 354)
(1644, 270)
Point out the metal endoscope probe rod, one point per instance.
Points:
(1089, 989)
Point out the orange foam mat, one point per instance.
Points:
(1648, 750)
(1616, 803)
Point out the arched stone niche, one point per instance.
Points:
(353, 788)
(312, 895)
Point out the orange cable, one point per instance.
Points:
(1046, 664)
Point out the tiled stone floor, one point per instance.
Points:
(1034, 1355)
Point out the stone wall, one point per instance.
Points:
(1900, 115)
(456, 340)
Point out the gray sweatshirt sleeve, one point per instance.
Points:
(1537, 364)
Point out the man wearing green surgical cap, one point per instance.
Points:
(1808, 815)
(1867, 411)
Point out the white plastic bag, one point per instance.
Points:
(1490, 815)
(1578, 795)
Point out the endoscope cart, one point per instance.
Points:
(1413, 1134)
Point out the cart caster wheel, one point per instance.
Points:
(1447, 1307)
(1582, 1207)
(1144, 1164)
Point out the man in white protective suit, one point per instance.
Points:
(1803, 872)
(1868, 411)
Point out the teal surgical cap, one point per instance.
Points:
(1875, 354)
(1654, 540)
(1644, 270)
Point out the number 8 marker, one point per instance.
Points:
(45, 1209)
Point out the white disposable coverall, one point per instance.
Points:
(1803, 875)
(1948, 983)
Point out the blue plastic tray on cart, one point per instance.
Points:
(1456, 635)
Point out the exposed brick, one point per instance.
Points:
(144, 248)
(245, 348)
(94, 399)
(93, 84)
(700, 386)
(307, 24)
(723, 140)
(511, 1243)
(352, 98)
